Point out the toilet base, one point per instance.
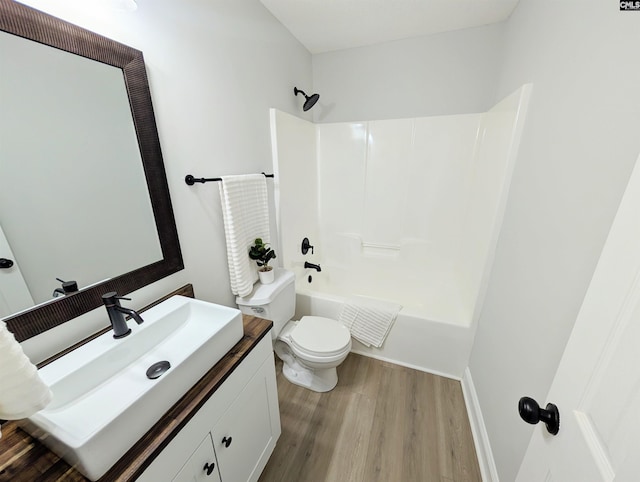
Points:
(318, 380)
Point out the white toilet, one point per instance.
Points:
(311, 348)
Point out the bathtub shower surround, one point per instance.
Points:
(405, 210)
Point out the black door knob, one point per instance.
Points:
(226, 441)
(531, 413)
(5, 263)
(208, 467)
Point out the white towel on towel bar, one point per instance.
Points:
(22, 391)
(369, 320)
(245, 212)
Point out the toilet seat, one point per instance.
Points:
(320, 337)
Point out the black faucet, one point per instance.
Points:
(312, 266)
(67, 287)
(116, 314)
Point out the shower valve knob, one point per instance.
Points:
(306, 246)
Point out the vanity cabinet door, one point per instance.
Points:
(202, 465)
(246, 434)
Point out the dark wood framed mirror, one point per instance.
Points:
(22, 21)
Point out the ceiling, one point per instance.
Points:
(326, 25)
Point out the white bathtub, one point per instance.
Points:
(431, 332)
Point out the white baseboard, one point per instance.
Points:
(480, 437)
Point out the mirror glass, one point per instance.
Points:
(85, 195)
(77, 208)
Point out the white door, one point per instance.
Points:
(597, 385)
(14, 294)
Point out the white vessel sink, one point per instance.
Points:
(103, 401)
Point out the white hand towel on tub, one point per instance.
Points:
(22, 392)
(369, 320)
(245, 212)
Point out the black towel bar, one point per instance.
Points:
(190, 180)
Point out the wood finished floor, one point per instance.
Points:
(383, 422)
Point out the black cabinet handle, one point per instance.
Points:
(531, 413)
(5, 263)
(209, 467)
(227, 441)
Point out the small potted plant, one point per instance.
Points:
(262, 254)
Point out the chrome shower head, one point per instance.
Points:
(310, 99)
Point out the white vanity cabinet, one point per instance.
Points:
(245, 431)
(236, 428)
(201, 466)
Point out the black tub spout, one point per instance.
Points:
(312, 266)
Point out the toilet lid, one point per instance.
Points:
(320, 336)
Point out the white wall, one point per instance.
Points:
(448, 73)
(577, 151)
(215, 69)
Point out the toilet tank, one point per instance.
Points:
(274, 301)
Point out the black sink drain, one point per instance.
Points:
(157, 369)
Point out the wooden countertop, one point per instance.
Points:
(23, 458)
